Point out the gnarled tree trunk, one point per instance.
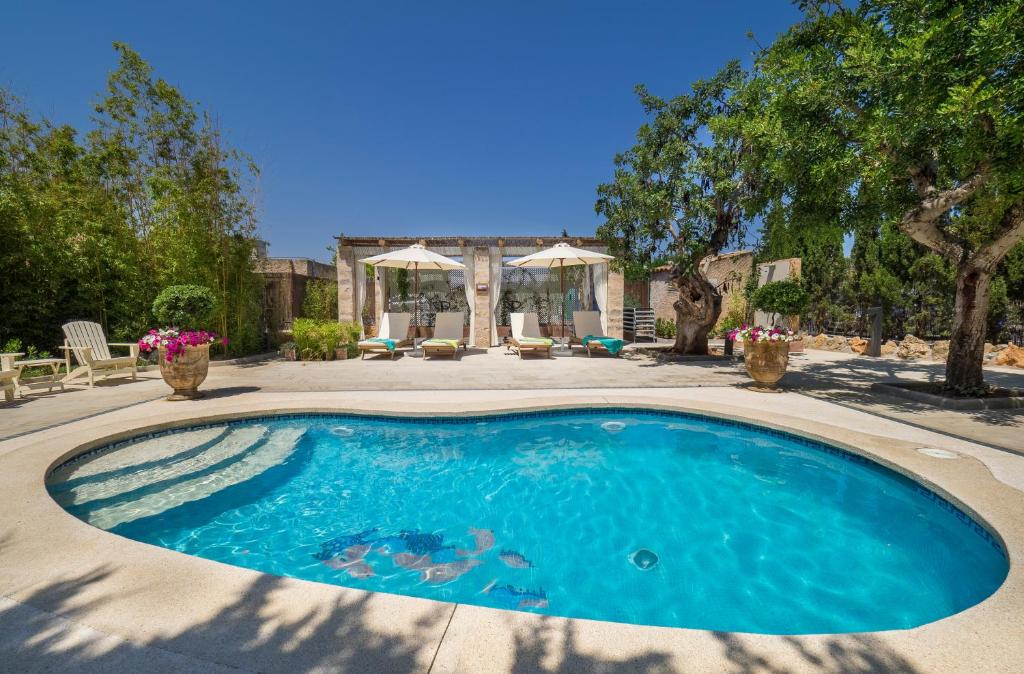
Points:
(967, 341)
(697, 310)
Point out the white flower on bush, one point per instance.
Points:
(756, 333)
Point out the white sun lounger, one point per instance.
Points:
(448, 328)
(527, 337)
(392, 326)
(588, 324)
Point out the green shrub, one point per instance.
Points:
(15, 345)
(184, 306)
(782, 298)
(321, 300)
(317, 339)
(665, 328)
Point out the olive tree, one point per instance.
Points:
(679, 196)
(910, 112)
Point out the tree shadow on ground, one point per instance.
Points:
(849, 381)
(546, 642)
(227, 391)
(49, 632)
(245, 634)
(843, 654)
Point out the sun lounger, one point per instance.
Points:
(448, 335)
(86, 341)
(526, 336)
(393, 335)
(586, 326)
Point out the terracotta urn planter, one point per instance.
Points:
(186, 372)
(766, 362)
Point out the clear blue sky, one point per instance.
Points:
(402, 118)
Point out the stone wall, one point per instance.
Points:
(777, 270)
(284, 291)
(728, 272)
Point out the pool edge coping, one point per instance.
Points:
(893, 456)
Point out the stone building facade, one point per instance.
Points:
(728, 272)
(488, 255)
(284, 291)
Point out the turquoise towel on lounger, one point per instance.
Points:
(389, 343)
(611, 343)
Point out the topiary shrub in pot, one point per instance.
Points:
(784, 301)
(187, 307)
(183, 345)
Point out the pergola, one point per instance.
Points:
(484, 259)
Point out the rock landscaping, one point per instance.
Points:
(914, 348)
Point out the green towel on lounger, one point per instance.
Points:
(389, 343)
(454, 343)
(611, 343)
(536, 340)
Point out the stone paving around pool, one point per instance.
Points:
(841, 378)
(74, 598)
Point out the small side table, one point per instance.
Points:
(54, 379)
(8, 375)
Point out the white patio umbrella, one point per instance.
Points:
(561, 255)
(414, 257)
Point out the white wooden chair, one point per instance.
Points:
(86, 341)
(527, 337)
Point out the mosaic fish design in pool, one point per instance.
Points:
(515, 559)
(484, 539)
(511, 597)
(409, 549)
(337, 546)
(352, 562)
(409, 541)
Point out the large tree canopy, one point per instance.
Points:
(681, 194)
(909, 112)
(94, 228)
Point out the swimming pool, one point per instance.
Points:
(624, 515)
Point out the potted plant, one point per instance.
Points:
(765, 353)
(183, 350)
(287, 351)
(784, 301)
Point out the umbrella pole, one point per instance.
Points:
(561, 280)
(416, 302)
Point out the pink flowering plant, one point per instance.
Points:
(175, 341)
(756, 333)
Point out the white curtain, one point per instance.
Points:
(380, 302)
(469, 276)
(495, 292)
(601, 293)
(360, 280)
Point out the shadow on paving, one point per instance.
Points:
(849, 381)
(36, 637)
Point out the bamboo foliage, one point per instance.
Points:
(95, 224)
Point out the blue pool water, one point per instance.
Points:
(631, 516)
